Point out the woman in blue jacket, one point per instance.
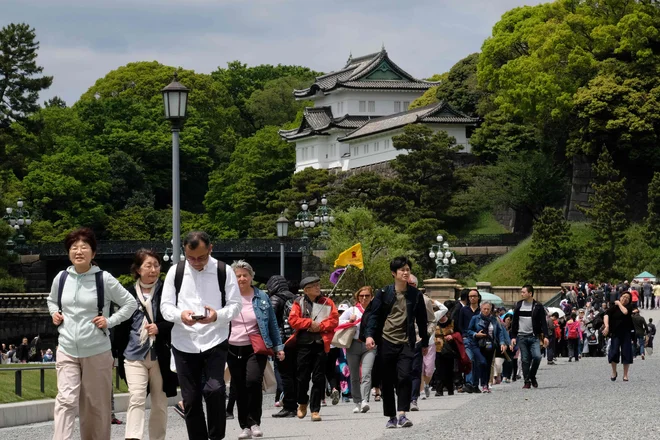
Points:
(486, 333)
(246, 367)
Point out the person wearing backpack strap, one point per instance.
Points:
(79, 304)
(573, 335)
(201, 297)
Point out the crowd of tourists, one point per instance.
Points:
(210, 331)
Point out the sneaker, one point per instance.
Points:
(246, 433)
(413, 406)
(423, 397)
(116, 421)
(365, 406)
(427, 391)
(323, 403)
(256, 431)
(391, 423)
(404, 422)
(535, 384)
(278, 404)
(316, 417)
(507, 380)
(302, 411)
(356, 410)
(229, 416)
(438, 393)
(346, 399)
(284, 413)
(485, 389)
(335, 397)
(179, 410)
(527, 386)
(643, 357)
(551, 363)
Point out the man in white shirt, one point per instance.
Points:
(200, 334)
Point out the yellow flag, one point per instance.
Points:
(352, 256)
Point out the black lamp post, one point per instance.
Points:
(17, 219)
(175, 99)
(282, 232)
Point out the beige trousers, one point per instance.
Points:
(138, 375)
(84, 385)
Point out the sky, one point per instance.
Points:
(82, 40)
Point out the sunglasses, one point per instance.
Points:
(364, 296)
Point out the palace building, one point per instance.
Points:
(358, 109)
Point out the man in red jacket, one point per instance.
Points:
(314, 318)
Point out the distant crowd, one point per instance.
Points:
(25, 352)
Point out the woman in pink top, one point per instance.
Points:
(246, 367)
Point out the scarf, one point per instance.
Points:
(146, 304)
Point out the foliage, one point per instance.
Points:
(19, 74)
(508, 269)
(429, 97)
(653, 212)
(380, 244)
(607, 212)
(11, 285)
(461, 89)
(551, 257)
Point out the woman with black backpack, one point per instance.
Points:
(485, 333)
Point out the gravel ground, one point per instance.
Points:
(573, 400)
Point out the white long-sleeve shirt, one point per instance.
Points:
(199, 289)
(346, 317)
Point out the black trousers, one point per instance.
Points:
(288, 373)
(311, 365)
(331, 373)
(247, 375)
(444, 368)
(416, 373)
(190, 368)
(396, 363)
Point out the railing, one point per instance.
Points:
(511, 239)
(18, 377)
(128, 247)
(24, 301)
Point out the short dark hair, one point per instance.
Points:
(84, 234)
(194, 237)
(650, 320)
(555, 315)
(138, 260)
(464, 294)
(529, 288)
(399, 262)
(573, 315)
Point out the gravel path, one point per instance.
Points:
(573, 400)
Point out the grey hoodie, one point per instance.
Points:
(79, 337)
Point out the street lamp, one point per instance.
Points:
(175, 99)
(304, 219)
(17, 218)
(173, 258)
(324, 216)
(282, 232)
(444, 258)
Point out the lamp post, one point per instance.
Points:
(282, 232)
(324, 216)
(444, 258)
(175, 99)
(170, 250)
(17, 218)
(304, 219)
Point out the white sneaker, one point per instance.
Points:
(365, 406)
(423, 397)
(256, 431)
(247, 433)
(356, 409)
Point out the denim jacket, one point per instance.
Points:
(266, 320)
(480, 322)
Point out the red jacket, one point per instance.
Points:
(297, 322)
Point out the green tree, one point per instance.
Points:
(461, 89)
(275, 104)
(653, 212)
(20, 82)
(552, 256)
(380, 244)
(607, 212)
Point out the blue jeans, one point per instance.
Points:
(470, 349)
(640, 343)
(479, 365)
(530, 352)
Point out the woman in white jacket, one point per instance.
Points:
(358, 357)
(84, 358)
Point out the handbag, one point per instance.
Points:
(258, 344)
(343, 338)
(269, 383)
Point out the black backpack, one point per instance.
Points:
(287, 331)
(100, 292)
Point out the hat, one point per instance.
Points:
(343, 307)
(309, 280)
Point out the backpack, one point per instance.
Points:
(287, 331)
(100, 291)
(572, 330)
(598, 321)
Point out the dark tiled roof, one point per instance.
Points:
(441, 113)
(360, 67)
(318, 120)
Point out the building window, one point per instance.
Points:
(363, 106)
(366, 148)
(387, 144)
(372, 106)
(406, 104)
(313, 152)
(397, 106)
(340, 108)
(376, 146)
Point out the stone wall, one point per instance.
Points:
(33, 271)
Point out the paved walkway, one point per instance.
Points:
(573, 400)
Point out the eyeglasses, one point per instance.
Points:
(364, 296)
(151, 266)
(473, 296)
(201, 259)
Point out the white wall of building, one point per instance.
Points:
(366, 103)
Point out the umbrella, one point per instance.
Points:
(552, 310)
(487, 296)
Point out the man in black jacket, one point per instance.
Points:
(527, 328)
(281, 299)
(391, 324)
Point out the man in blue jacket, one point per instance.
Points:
(391, 324)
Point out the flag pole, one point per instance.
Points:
(339, 280)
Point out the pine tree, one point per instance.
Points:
(552, 257)
(653, 216)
